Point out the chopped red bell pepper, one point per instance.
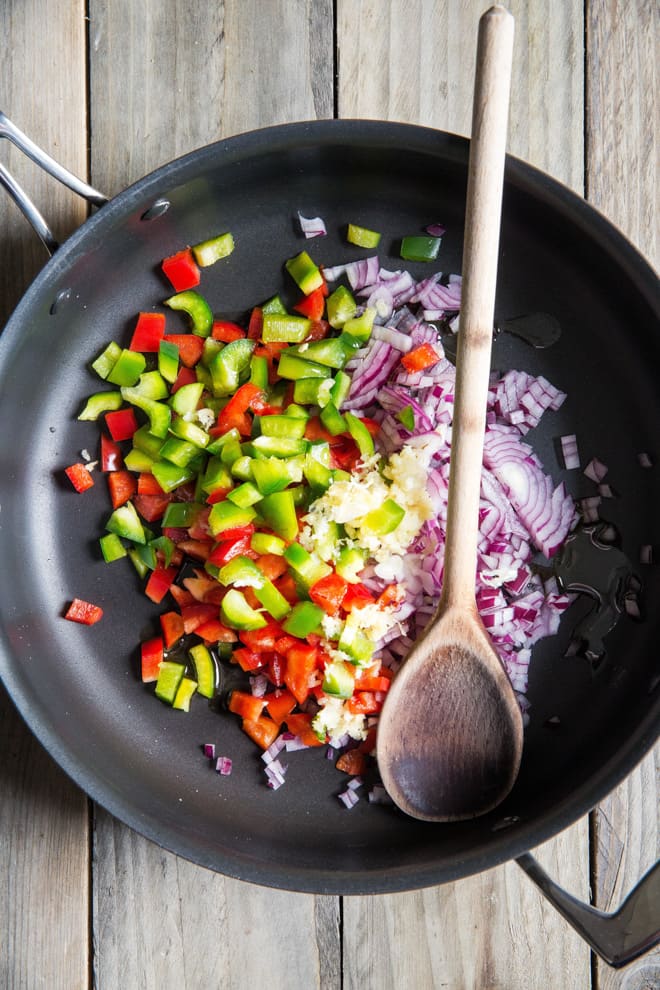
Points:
(196, 614)
(256, 324)
(226, 550)
(148, 333)
(247, 660)
(353, 762)
(111, 457)
(246, 705)
(280, 704)
(182, 270)
(226, 331)
(312, 305)
(151, 656)
(159, 583)
(213, 631)
(233, 415)
(300, 665)
(190, 347)
(318, 330)
(301, 726)
(121, 423)
(79, 476)
(420, 358)
(147, 485)
(171, 625)
(373, 683)
(357, 596)
(197, 549)
(262, 640)
(186, 376)
(271, 565)
(261, 730)
(287, 587)
(364, 703)
(152, 507)
(122, 486)
(83, 612)
(205, 589)
(276, 666)
(329, 592)
(219, 495)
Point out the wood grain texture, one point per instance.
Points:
(622, 181)
(165, 79)
(419, 66)
(44, 835)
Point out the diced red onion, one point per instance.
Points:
(645, 460)
(354, 783)
(223, 766)
(435, 230)
(294, 744)
(274, 750)
(646, 554)
(596, 470)
(348, 798)
(209, 750)
(312, 226)
(393, 337)
(569, 449)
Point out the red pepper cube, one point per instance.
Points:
(190, 347)
(312, 305)
(111, 458)
(79, 477)
(148, 333)
(226, 331)
(246, 705)
(122, 424)
(160, 582)
(151, 657)
(83, 612)
(182, 270)
(122, 486)
(420, 358)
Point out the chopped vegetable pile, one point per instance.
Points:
(281, 486)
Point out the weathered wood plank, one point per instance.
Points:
(415, 61)
(622, 180)
(44, 835)
(167, 78)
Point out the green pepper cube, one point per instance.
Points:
(165, 546)
(356, 645)
(350, 563)
(420, 248)
(272, 600)
(270, 475)
(237, 614)
(313, 391)
(168, 361)
(327, 540)
(385, 519)
(360, 434)
(333, 420)
(307, 565)
(210, 350)
(303, 619)
(137, 562)
(407, 417)
(216, 445)
(259, 372)
(241, 468)
(340, 389)
(358, 329)
(178, 451)
(170, 676)
(216, 476)
(289, 427)
(274, 305)
(181, 515)
(189, 431)
(282, 328)
(229, 364)
(127, 368)
(292, 366)
(208, 252)
(362, 236)
(158, 413)
(340, 306)
(279, 446)
(186, 399)
(205, 670)
(112, 548)
(267, 543)
(106, 361)
(329, 352)
(304, 273)
(99, 403)
(316, 473)
(242, 572)
(279, 512)
(184, 693)
(146, 442)
(125, 522)
(137, 461)
(197, 309)
(170, 476)
(226, 515)
(339, 679)
(245, 495)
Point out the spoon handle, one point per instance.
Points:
(480, 250)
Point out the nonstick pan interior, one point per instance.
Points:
(78, 687)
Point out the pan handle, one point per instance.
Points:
(34, 152)
(619, 937)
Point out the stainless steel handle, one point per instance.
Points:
(619, 937)
(43, 160)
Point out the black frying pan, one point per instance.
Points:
(78, 687)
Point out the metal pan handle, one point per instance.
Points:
(619, 937)
(49, 165)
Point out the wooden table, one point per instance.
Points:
(114, 88)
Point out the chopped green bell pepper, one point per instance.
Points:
(360, 434)
(216, 476)
(362, 236)
(259, 372)
(159, 414)
(308, 566)
(169, 679)
(340, 389)
(230, 364)
(170, 476)
(333, 420)
(127, 368)
(329, 352)
(99, 403)
(279, 512)
(339, 679)
(356, 645)
(360, 327)
(180, 515)
(279, 446)
(270, 475)
(180, 452)
(186, 399)
(205, 669)
(111, 547)
(245, 495)
(168, 361)
(146, 442)
(313, 391)
(274, 305)
(226, 515)
(189, 431)
(236, 612)
(304, 273)
(196, 307)
(303, 619)
(420, 248)
(340, 306)
(106, 361)
(125, 522)
(208, 252)
(152, 385)
(267, 543)
(407, 417)
(385, 519)
(282, 328)
(350, 563)
(287, 427)
(184, 693)
(292, 366)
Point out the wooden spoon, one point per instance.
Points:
(450, 734)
